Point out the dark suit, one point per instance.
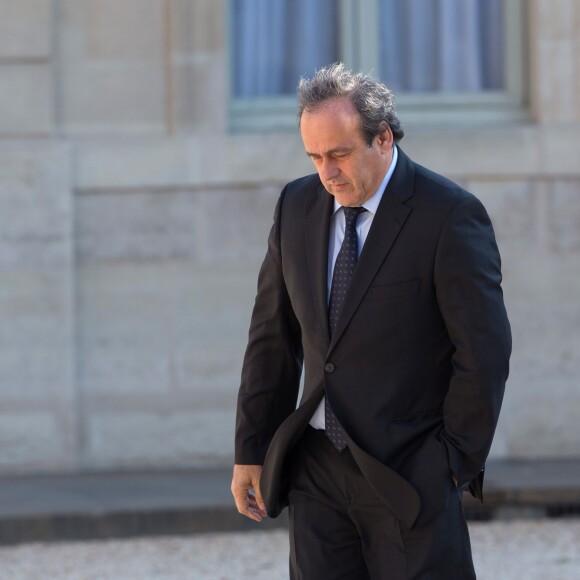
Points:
(416, 368)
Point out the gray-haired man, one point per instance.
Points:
(383, 279)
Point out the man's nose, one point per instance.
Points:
(328, 170)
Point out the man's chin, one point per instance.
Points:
(346, 200)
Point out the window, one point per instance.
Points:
(446, 60)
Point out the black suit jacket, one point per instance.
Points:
(416, 368)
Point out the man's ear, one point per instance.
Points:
(385, 135)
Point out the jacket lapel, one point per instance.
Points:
(387, 223)
(317, 224)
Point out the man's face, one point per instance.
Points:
(349, 169)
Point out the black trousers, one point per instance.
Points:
(339, 528)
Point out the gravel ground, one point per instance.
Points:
(522, 550)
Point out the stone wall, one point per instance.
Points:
(38, 393)
(132, 226)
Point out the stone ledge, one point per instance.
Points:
(107, 505)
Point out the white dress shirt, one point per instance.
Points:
(336, 237)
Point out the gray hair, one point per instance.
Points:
(373, 100)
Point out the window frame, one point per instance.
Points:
(356, 19)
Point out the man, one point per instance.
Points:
(383, 278)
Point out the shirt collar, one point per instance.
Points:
(372, 203)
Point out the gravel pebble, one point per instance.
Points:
(530, 550)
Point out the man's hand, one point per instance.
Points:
(246, 491)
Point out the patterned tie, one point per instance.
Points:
(341, 277)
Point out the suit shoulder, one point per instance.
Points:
(303, 185)
(297, 191)
(439, 191)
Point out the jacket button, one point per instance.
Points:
(329, 367)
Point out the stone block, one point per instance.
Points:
(112, 32)
(26, 99)
(555, 93)
(234, 225)
(36, 306)
(565, 217)
(36, 216)
(200, 95)
(541, 417)
(556, 18)
(135, 226)
(36, 336)
(173, 327)
(576, 77)
(498, 153)
(115, 98)
(559, 146)
(496, 150)
(112, 71)
(212, 314)
(125, 338)
(247, 159)
(554, 60)
(512, 208)
(25, 28)
(183, 438)
(32, 441)
(198, 27)
(200, 75)
(132, 163)
(36, 271)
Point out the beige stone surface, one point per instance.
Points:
(137, 226)
(199, 26)
(200, 99)
(555, 52)
(241, 159)
(200, 161)
(124, 334)
(513, 208)
(102, 99)
(25, 28)
(234, 225)
(32, 441)
(166, 282)
(36, 216)
(541, 414)
(111, 67)
(537, 225)
(198, 61)
(26, 99)
(162, 328)
(183, 437)
(129, 163)
(123, 341)
(36, 336)
(564, 217)
(36, 308)
(559, 146)
(127, 30)
(211, 327)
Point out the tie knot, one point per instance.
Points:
(351, 213)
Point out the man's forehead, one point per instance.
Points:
(333, 106)
(330, 130)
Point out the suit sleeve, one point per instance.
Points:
(468, 286)
(273, 360)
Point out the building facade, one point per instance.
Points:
(137, 191)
